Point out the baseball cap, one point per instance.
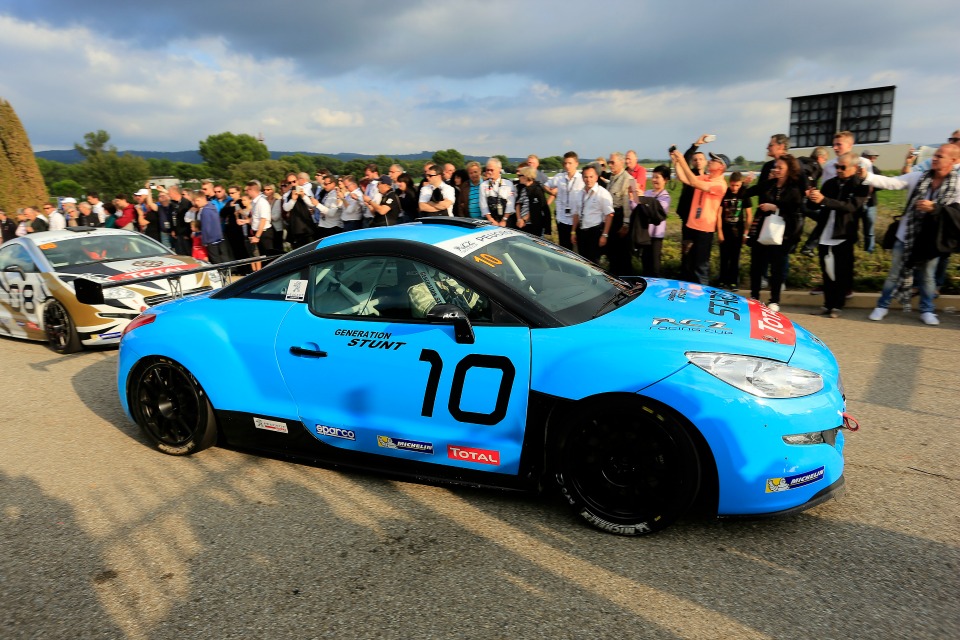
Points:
(142, 192)
(387, 180)
(69, 201)
(869, 153)
(719, 157)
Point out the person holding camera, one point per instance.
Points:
(498, 196)
(564, 189)
(703, 219)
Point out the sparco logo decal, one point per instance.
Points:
(770, 325)
(336, 432)
(467, 454)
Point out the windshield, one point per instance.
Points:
(560, 281)
(88, 249)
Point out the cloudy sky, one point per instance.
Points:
(482, 77)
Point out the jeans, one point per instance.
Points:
(869, 223)
(926, 282)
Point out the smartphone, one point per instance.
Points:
(915, 153)
(672, 148)
(709, 138)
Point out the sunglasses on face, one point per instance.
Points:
(291, 183)
(432, 175)
(841, 167)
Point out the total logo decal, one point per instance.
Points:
(336, 432)
(775, 485)
(769, 325)
(144, 268)
(405, 445)
(270, 425)
(468, 454)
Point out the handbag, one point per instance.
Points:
(771, 233)
(890, 235)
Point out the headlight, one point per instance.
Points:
(120, 293)
(759, 376)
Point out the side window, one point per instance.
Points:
(17, 256)
(387, 287)
(290, 286)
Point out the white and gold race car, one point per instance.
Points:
(37, 272)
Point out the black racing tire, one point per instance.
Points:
(171, 407)
(62, 335)
(627, 466)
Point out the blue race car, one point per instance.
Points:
(451, 350)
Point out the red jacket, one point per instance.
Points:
(129, 215)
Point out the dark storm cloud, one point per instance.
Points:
(574, 46)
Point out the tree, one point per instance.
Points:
(333, 165)
(266, 171)
(508, 167)
(185, 171)
(67, 188)
(21, 184)
(224, 149)
(301, 161)
(551, 163)
(95, 143)
(740, 161)
(54, 171)
(452, 156)
(110, 173)
(161, 166)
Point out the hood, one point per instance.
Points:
(116, 270)
(646, 339)
(697, 318)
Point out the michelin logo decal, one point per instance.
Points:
(775, 485)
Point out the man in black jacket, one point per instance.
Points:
(179, 226)
(840, 202)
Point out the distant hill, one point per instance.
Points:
(71, 156)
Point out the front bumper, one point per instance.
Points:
(757, 472)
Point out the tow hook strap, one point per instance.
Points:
(849, 422)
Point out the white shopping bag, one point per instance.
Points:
(772, 230)
(829, 265)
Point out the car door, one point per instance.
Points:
(22, 293)
(370, 373)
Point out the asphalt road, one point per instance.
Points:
(102, 537)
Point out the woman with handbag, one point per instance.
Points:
(776, 226)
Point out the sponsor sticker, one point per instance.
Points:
(769, 325)
(336, 432)
(405, 445)
(465, 245)
(296, 290)
(47, 245)
(270, 425)
(155, 271)
(468, 454)
(690, 324)
(776, 485)
(110, 336)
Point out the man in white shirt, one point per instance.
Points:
(436, 196)
(328, 208)
(261, 227)
(498, 196)
(352, 197)
(592, 216)
(57, 219)
(565, 188)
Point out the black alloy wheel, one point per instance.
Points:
(172, 408)
(629, 468)
(61, 333)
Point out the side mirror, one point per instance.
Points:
(452, 314)
(88, 291)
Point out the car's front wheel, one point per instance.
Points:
(61, 333)
(627, 467)
(171, 407)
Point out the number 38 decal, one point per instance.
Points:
(474, 360)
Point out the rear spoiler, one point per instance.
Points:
(91, 291)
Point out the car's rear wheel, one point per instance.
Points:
(628, 467)
(61, 333)
(171, 407)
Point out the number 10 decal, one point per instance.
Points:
(500, 363)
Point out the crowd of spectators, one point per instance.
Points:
(601, 208)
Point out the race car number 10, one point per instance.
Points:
(474, 360)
